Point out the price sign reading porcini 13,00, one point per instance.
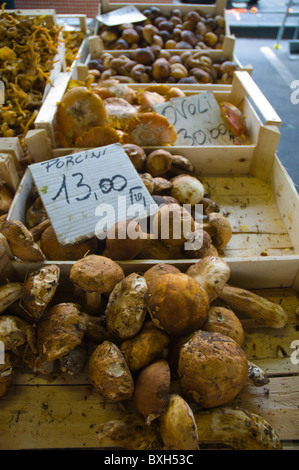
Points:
(74, 187)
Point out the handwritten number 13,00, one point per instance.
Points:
(118, 183)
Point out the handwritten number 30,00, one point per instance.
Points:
(199, 137)
(117, 183)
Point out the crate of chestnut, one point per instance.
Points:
(168, 26)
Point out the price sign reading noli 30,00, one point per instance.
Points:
(197, 120)
(79, 189)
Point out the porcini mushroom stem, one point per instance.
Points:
(93, 302)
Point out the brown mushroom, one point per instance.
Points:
(126, 308)
(148, 181)
(124, 240)
(53, 250)
(177, 303)
(157, 270)
(60, 330)
(39, 289)
(158, 162)
(6, 198)
(212, 369)
(187, 189)
(178, 428)
(21, 241)
(224, 320)
(143, 348)
(152, 390)
(219, 228)
(198, 246)
(109, 372)
(10, 293)
(136, 154)
(95, 275)
(161, 185)
(173, 224)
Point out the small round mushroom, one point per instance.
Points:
(177, 303)
(180, 164)
(124, 240)
(148, 181)
(159, 269)
(198, 245)
(158, 162)
(39, 289)
(136, 154)
(212, 368)
(224, 320)
(209, 206)
(173, 224)
(211, 272)
(152, 390)
(219, 228)
(187, 189)
(95, 275)
(162, 185)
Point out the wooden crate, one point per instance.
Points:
(82, 27)
(261, 206)
(243, 93)
(64, 412)
(218, 8)
(92, 49)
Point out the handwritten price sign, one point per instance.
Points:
(78, 188)
(197, 120)
(127, 14)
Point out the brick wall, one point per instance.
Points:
(88, 7)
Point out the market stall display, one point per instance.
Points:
(150, 343)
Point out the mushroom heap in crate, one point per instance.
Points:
(164, 343)
(188, 223)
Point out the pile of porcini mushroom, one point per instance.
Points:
(167, 342)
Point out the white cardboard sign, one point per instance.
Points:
(87, 192)
(197, 120)
(127, 14)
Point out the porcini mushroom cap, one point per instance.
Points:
(173, 224)
(124, 240)
(222, 227)
(53, 250)
(177, 303)
(96, 273)
(187, 189)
